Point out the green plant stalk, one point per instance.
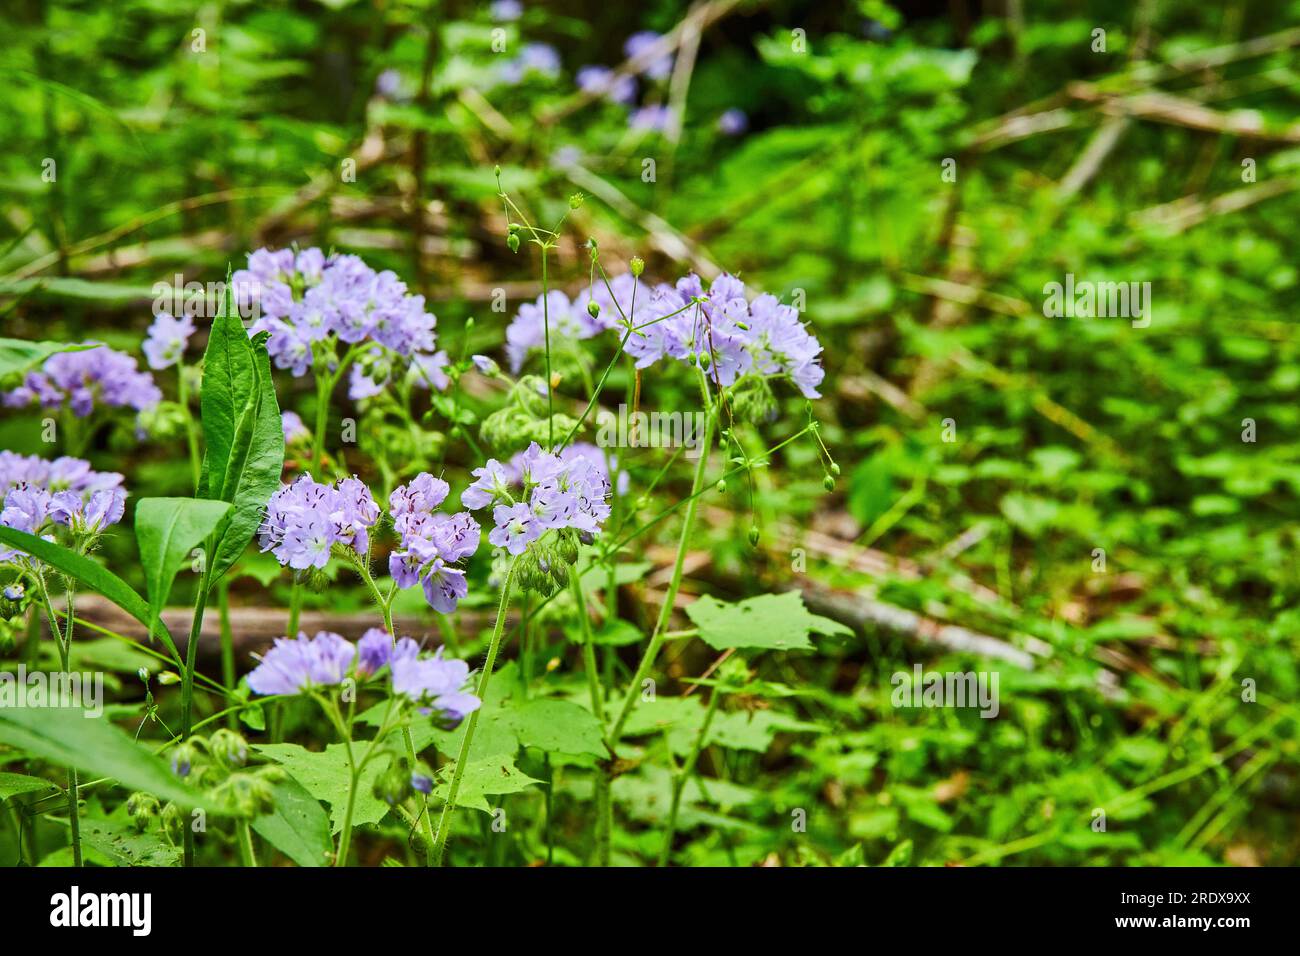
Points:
(187, 691)
(227, 649)
(245, 835)
(191, 436)
(670, 597)
(546, 330)
(64, 644)
(588, 646)
(683, 776)
(323, 390)
(444, 823)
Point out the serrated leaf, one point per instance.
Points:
(126, 846)
(92, 575)
(324, 774)
(767, 622)
(65, 736)
(484, 778)
(556, 726)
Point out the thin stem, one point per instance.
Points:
(245, 836)
(227, 647)
(64, 644)
(444, 824)
(546, 329)
(191, 435)
(588, 646)
(187, 690)
(683, 776)
(670, 596)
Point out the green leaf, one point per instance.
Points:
(299, 828)
(324, 774)
(67, 737)
(126, 846)
(166, 529)
(92, 575)
(769, 622)
(482, 778)
(242, 430)
(12, 784)
(18, 356)
(556, 726)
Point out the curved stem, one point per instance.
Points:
(444, 823)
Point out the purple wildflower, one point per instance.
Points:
(659, 68)
(601, 79)
(292, 666)
(431, 542)
(306, 519)
(165, 344)
(733, 122)
(81, 380)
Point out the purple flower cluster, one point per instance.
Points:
(306, 519)
(567, 322)
(431, 542)
(539, 492)
(661, 67)
(81, 380)
(36, 494)
(623, 89)
(293, 666)
(732, 337)
(165, 344)
(601, 79)
(307, 302)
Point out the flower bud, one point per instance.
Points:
(16, 592)
(229, 747)
(512, 241)
(593, 309)
(576, 200)
(167, 678)
(566, 546)
(183, 756)
(394, 784)
(828, 483)
(637, 265)
(753, 536)
(422, 783)
(173, 822)
(721, 486)
(835, 469)
(142, 808)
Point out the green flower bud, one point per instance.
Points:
(753, 536)
(394, 784)
(142, 808)
(828, 483)
(167, 678)
(835, 469)
(566, 546)
(173, 822)
(721, 486)
(576, 200)
(184, 756)
(229, 747)
(637, 266)
(593, 308)
(512, 241)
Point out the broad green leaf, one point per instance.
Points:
(299, 828)
(556, 726)
(769, 622)
(92, 575)
(483, 778)
(324, 774)
(241, 426)
(65, 736)
(12, 784)
(18, 356)
(126, 846)
(167, 529)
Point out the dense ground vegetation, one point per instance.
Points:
(1099, 509)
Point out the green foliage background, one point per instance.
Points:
(1072, 434)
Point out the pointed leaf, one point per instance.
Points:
(91, 575)
(167, 529)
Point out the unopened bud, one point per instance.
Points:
(142, 808)
(835, 469)
(828, 483)
(229, 747)
(576, 200)
(183, 757)
(637, 265)
(512, 241)
(593, 308)
(753, 536)
(721, 486)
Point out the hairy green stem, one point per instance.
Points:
(588, 646)
(227, 648)
(444, 823)
(64, 643)
(187, 691)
